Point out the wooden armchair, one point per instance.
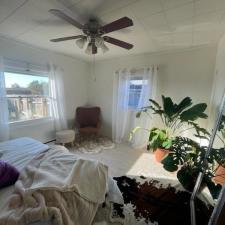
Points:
(88, 120)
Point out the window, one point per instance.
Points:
(28, 96)
(135, 88)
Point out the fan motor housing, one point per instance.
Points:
(92, 28)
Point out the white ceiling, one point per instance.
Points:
(159, 25)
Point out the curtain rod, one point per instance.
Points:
(138, 69)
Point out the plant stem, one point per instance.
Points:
(186, 129)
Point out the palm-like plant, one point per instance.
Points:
(176, 119)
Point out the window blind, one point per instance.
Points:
(16, 66)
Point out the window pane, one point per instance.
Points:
(27, 96)
(26, 84)
(135, 89)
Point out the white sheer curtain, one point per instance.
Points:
(57, 97)
(4, 123)
(121, 108)
(124, 117)
(148, 91)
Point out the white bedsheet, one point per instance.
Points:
(19, 152)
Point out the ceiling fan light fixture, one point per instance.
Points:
(99, 41)
(89, 49)
(104, 48)
(81, 42)
(93, 33)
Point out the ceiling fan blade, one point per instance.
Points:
(117, 42)
(63, 16)
(117, 25)
(94, 49)
(67, 38)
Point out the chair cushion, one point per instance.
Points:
(89, 130)
(88, 117)
(8, 174)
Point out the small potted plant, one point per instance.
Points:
(176, 119)
(160, 142)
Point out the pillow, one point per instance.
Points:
(8, 174)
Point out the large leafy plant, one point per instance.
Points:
(218, 154)
(187, 158)
(221, 130)
(176, 118)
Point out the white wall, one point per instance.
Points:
(181, 74)
(75, 83)
(186, 73)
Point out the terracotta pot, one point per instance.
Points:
(220, 175)
(160, 154)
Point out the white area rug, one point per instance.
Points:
(92, 144)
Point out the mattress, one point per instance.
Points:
(19, 152)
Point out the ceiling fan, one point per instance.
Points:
(94, 33)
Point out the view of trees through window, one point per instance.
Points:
(28, 96)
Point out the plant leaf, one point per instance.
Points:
(185, 103)
(156, 104)
(168, 106)
(138, 114)
(184, 177)
(133, 132)
(214, 189)
(169, 164)
(167, 144)
(194, 112)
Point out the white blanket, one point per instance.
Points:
(57, 186)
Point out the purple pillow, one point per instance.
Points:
(8, 174)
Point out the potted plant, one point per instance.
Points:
(219, 154)
(160, 142)
(176, 119)
(187, 158)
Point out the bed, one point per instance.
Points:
(54, 163)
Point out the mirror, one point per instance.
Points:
(213, 169)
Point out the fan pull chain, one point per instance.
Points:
(93, 68)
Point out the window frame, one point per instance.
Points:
(28, 122)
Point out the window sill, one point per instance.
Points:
(32, 122)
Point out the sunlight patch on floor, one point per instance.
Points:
(123, 160)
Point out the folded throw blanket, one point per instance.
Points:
(57, 186)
